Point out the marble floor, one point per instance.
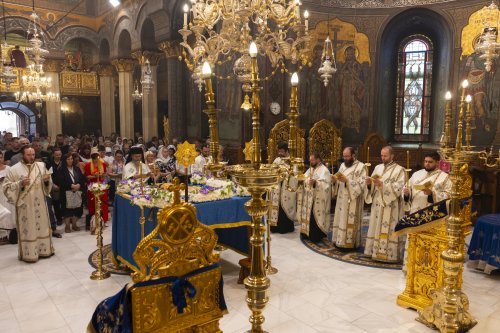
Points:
(310, 293)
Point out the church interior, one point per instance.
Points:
(250, 165)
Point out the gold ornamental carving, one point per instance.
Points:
(124, 65)
(172, 49)
(152, 56)
(79, 83)
(16, 85)
(104, 69)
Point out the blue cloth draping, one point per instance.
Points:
(221, 215)
(485, 242)
(114, 313)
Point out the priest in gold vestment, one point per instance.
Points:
(26, 185)
(348, 185)
(313, 203)
(385, 187)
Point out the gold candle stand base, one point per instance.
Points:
(100, 273)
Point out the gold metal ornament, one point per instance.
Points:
(100, 273)
(248, 150)
(186, 153)
(257, 178)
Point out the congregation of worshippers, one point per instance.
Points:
(43, 174)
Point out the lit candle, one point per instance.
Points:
(407, 159)
(186, 10)
(368, 154)
(306, 16)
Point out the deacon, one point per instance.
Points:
(313, 203)
(348, 185)
(426, 187)
(385, 188)
(26, 185)
(135, 166)
(283, 209)
(95, 171)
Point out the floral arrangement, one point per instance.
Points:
(97, 186)
(198, 178)
(151, 196)
(126, 185)
(211, 193)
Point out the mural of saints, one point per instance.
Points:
(351, 90)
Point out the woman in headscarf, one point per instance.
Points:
(166, 163)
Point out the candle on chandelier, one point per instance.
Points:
(253, 50)
(186, 10)
(306, 16)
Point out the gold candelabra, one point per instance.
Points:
(214, 166)
(449, 310)
(257, 178)
(100, 273)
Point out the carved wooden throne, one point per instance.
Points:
(325, 139)
(177, 281)
(281, 133)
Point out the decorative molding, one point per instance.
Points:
(172, 49)
(124, 65)
(104, 69)
(79, 83)
(379, 3)
(152, 56)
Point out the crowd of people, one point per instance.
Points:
(44, 184)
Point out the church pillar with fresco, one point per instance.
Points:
(54, 120)
(107, 90)
(125, 68)
(176, 92)
(150, 96)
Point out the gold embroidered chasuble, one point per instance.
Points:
(349, 207)
(316, 199)
(32, 217)
(280, 196)
(386, 210)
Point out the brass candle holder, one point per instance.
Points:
(100, 273)
(449, 310)
(214, 166)
(257, 178)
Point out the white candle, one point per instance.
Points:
(186, 10)
(306, 16)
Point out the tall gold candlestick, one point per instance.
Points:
(445, 143)
(100, 273)
(256, 154)
(140, 178)
(458, 142)
(468, 124)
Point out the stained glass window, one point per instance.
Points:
(414, 89)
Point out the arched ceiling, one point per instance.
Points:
(373, 3)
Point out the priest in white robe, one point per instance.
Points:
(385, 187)
(348, 185)
(26, 185)
(425, 188)
(283, 202)
(313, 202)
(135, 166)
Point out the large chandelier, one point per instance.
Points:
(35, 83)
(137, 95)
(488, 46)
(6, 74)
(328, 66)
(219, 31)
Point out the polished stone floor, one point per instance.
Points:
(310, 293)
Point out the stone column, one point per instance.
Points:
(177, 105)
(125, 68)
(52, 68)
(107, 90)
(149, 98)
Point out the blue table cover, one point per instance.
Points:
(227, 217)
(485, 243)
